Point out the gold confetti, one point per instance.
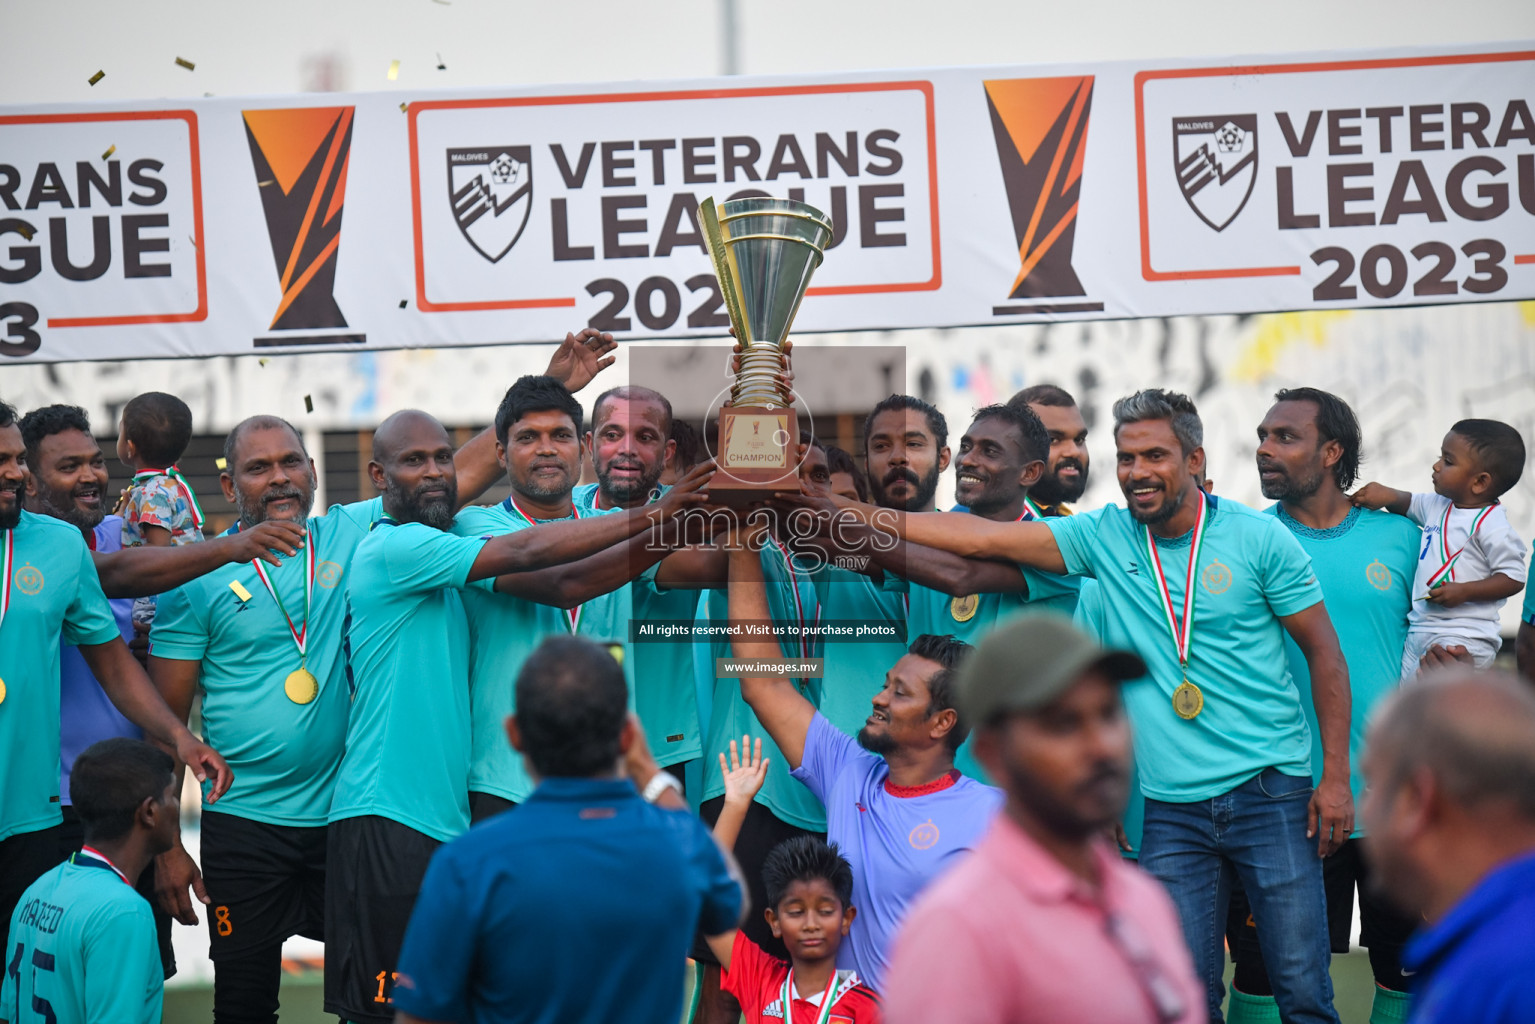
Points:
(264, 184)
(192, 240)
(240, 591)
(308, 404)
(221, 462)
(98, 76)
(394, 70)
(402, 303)
(262, 361)
(404, 107)
(26, 231)
(445, 3)
(182, 62)
(109, 152)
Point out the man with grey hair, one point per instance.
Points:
(1204, 591)
(1449, 813)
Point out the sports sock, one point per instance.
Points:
(1246, 1009)
(1389, 1007)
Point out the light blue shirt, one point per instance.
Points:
(1251, 573)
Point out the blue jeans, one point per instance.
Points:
(1256, 832)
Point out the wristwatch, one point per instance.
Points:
(659, 783)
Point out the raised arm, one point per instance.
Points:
(943, 571)
(1331, 815)
(1374, 495)
(744, 775)
(1030, 544)
(567, 585)
(780, 707)
(146, 571)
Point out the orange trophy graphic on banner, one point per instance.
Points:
(301, 158)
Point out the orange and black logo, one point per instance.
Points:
(1040, 126)
(301, 158)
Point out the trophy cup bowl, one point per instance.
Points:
(764, 253)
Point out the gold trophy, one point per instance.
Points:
(764, 253)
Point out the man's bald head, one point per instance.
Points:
(403, 429)
(413, 466)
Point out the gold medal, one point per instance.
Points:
(962, 609)
(1188, 701)
(2, 691)
(301, 686)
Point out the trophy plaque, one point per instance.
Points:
(764, 253)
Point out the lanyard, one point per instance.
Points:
(573, 615)
(1447, 570)
(799, 606)
(5, 585)
(786, 997)
(99, 856)
(300, 632)
(1031, 509)
(1182, 632)
(176, 478)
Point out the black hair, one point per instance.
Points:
(688, 443)
(948, 651)
(839, 460)
(47, 421)
(1156, 404)
(159, 425)
(1043, 394)
(534, 394)
(109, 781)
(1499, 450)
(810, 440)
(1335, 421)
(1033, 438)
(632, 393)
(900, 403)
(260, 422)
(805, 859)
(572, 702)
(7, 415)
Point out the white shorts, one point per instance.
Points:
(1482, 649)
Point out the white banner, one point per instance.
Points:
(960, 196)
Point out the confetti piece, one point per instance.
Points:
(445, 3)
(193, 241)
(402, 303)
(221, 462)
(26, 231)
(394, 70)
(240, 591)
(308, 404)
(440, 65)
(98, 76)
(263, 361)
(109, 152)
(404, 107)
(182, 62)
(264, 184)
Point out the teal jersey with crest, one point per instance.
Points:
(408, 736)
(82, 950)
(54, 594)
(285, 755)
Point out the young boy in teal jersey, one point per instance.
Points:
(82, 946)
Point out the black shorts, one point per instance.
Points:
(760, 832)
(1383, 930)
(266, 883)
(24, 858)
(72, 837)
(487, 805)
(375, 873)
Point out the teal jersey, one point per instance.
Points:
(1528, 612)
(284, 755)
(82, 950)
(661, 673)
(791, 600)
(1092, 618)
(407, 736)
(54, 594)
(854, 671)
(1365, 565)
(1251, 573)
(503, 631)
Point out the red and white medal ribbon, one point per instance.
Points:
(1182, 631)
(175, 477)
(98, 855)
(786, 998)
(573, 615)
(799, 605)
(5, 584)
(1447, 570)
(1031, 509)
(301, 631)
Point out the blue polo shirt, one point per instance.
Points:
(1477, 965)
(86, 714)
(578, 905)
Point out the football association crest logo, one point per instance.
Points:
(1217, 164)
(491, 189)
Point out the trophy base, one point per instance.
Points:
(758, 456)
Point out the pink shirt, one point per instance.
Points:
(1009, 935)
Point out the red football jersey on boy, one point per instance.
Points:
(756, 980)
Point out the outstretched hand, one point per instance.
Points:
(581, 357)
(744, 778)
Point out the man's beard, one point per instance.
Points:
(436, 512)
(546, 492)
(921, 499)
(8, 520)
(1290, 488)
(621, 491)
(879, 743)
(1051, 491)
(253, 512)
(62, 506)
(1060, 817)
(1171, 503)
